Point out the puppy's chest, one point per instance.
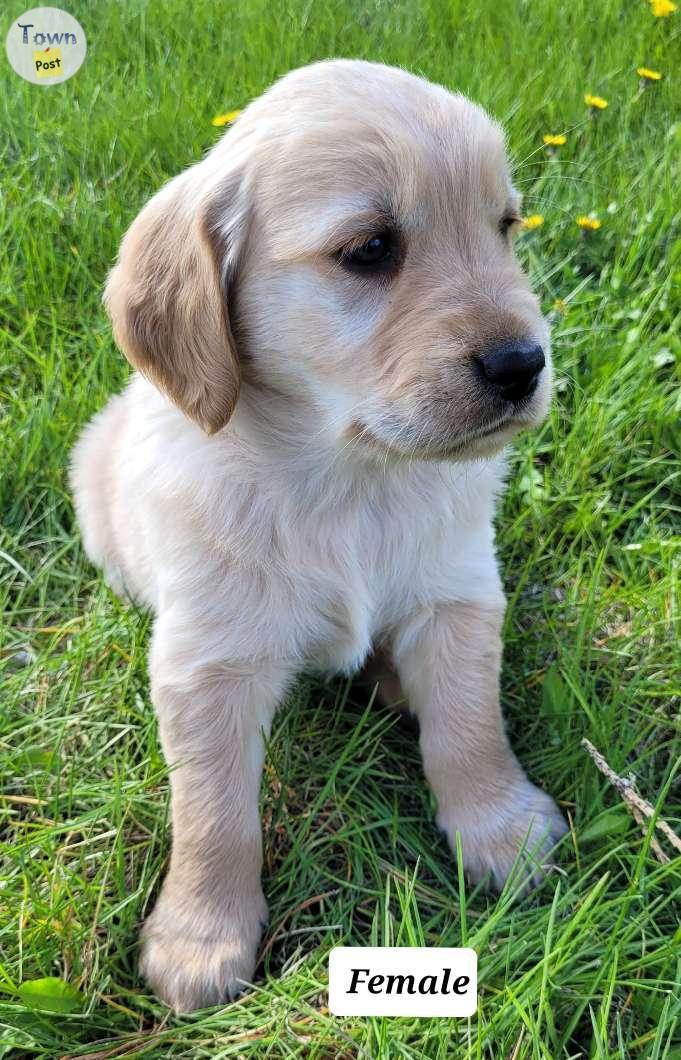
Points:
(362, 575)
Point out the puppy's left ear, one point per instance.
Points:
(168, 295)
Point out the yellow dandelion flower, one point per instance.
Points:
(556, 140)
(535, 220)
(560, 306)
(597, 102)
(662, 8)
(648, 75)
(225, 119)
(589, 224)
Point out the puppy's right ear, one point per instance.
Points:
(168, 295)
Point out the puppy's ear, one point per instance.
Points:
(168, 295)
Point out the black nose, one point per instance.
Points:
(513, 368)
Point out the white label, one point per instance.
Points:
(402, 981)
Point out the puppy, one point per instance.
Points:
(334, 343)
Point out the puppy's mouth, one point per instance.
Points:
(430, 431)
(499, 430)
(485, 441)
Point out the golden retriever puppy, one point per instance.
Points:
(334, 342)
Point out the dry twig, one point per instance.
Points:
(639, 807)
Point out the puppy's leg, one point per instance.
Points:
(449, 662)
(200, 942)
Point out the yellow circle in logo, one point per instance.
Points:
(46, 45)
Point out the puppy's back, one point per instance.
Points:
(92, 478)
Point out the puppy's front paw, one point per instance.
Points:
(194, 961)
(518, 830)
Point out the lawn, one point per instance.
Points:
(589, 539)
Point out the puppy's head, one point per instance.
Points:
(356, 226)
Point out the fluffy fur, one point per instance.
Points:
(305, 470)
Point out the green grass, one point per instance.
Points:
(589, 539)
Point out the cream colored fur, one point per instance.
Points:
(302, 479)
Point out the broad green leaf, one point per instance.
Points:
(555, 696)
(611, 822)
(51, 994)
(39, 757)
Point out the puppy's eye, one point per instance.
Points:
(508, 224)
(378, 254)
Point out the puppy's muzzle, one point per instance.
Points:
(512, 369)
